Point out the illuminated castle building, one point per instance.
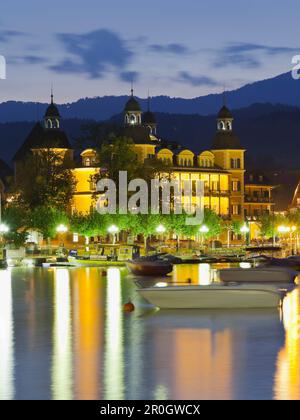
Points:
(221, 168)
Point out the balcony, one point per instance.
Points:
(258, 199)
(208, 191)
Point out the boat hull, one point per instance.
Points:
(212, 297)
(149, 268)
(257, 275)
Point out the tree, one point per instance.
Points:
(44, 179)
(45, 219)
(267, 225)
(16, 219)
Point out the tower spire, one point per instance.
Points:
(131, 90)
(51, 93)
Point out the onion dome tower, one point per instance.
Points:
(52, 116)
(149, 120)
(225, 138)
(132, 111)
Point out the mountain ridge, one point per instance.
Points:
(281, 89)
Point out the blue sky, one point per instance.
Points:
(181, 48)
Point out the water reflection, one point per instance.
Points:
(287, 378)
(114, 386)
(88, 330)
(62, 336)
(193, 273)
(216, 354)
(71, 324)
(6, 337)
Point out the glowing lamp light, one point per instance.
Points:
(294, 228)
(283, 229)
(244, 229)
(3, 228)
(113, 229)
(61, 228)
(203, 229)
(161, 284)
(160, 229)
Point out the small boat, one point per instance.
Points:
(214, 296)
(293, 261)
(149, 268)
(257, 275)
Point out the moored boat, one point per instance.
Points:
(214, 296)
(149, 268)
(257, 275)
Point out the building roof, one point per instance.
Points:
(132, 105)
(257, 178)
(40, 137)
(5, 172)
(148, 117)
(226, 140)
(224, 112)
(138, 133)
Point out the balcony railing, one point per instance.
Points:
(258, 199)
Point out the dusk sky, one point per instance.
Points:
(173, 47)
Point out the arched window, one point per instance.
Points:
(49, 123)
(87, 161)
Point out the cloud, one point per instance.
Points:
(94, 54)
(247, 55)
(6, 35)
(28, 59)
(129, 76)
(178, 49)
(186, 77)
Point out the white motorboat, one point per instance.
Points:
(213, 296)
(257, 275)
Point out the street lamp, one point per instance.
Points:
(160, 229)
(61, 229)
(113, 230)
(283, 229)
(3, 228)
(245, 230)
(203, 230)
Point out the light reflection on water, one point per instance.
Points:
(63, 335)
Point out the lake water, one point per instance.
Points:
(64, 335)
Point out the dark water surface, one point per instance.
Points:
(64, 335)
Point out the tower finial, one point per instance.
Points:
(131, 88)
(51, 93)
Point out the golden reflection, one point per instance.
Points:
(200, 356)
(87, 316)
(62, 337)
(114, 374)
(287, 378)
(6, 337)
(197, 273)
(200, 363)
